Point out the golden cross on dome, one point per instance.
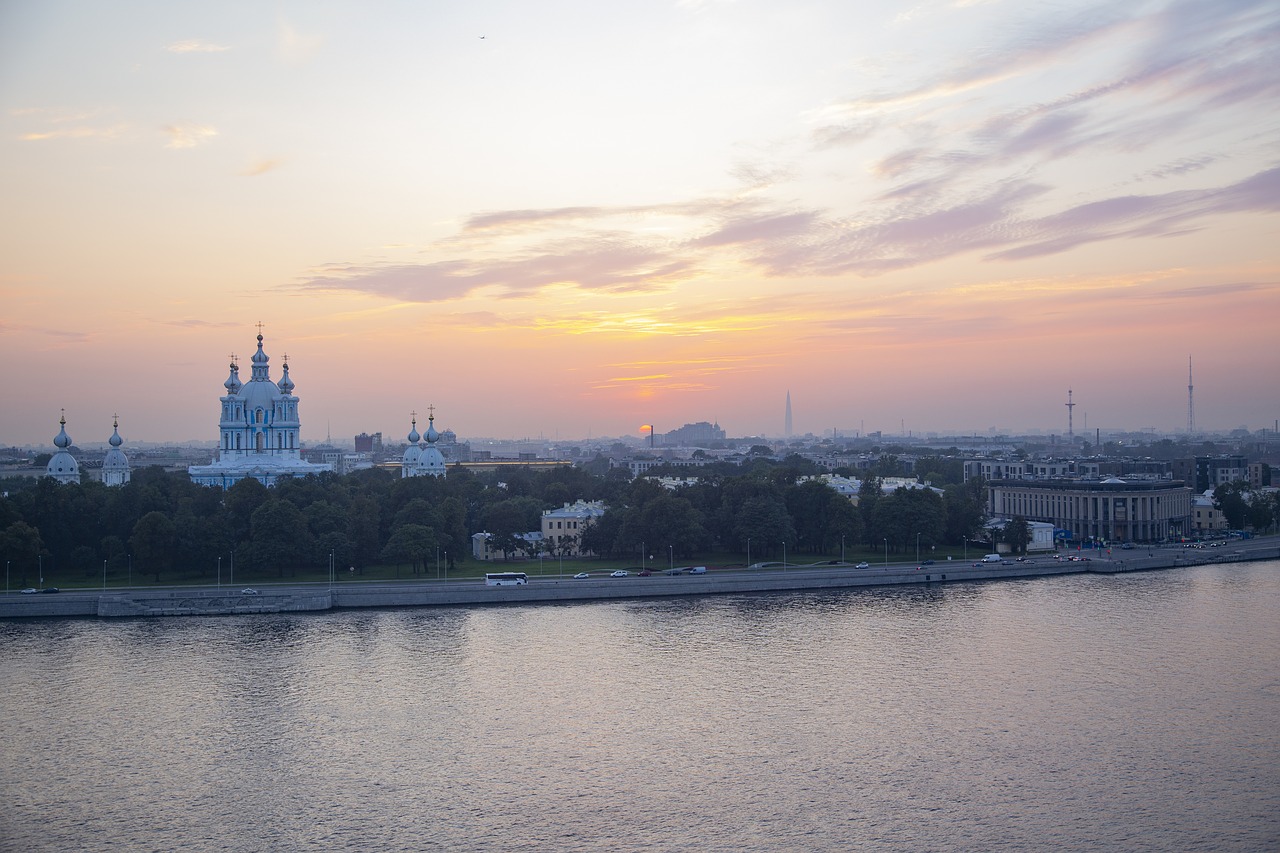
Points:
(259, 328)
(431, 412)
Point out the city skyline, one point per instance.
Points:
(935, 218)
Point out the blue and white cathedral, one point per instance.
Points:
(259, 429)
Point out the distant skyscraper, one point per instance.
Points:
(786, 427)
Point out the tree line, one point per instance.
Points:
(162, 527)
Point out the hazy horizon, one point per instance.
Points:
(567, 219)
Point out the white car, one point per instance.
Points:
(619, 574)
(863, 566)
(248, 592)
(581, 576)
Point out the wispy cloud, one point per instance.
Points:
(75, 133)
(261, 167)
(188, 135)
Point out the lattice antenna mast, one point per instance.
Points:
(1070, 427)
(1191, 401)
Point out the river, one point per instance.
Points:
(1075, 713)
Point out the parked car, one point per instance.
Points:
(698, 570)
(581, 576)
(674, 572)
(50, 589)
(644, 573)
(927, 563)
(248, 591)
(30, 591)
(619, 574)
(863, 566)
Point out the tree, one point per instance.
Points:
(507, 519)
(412, 543)
(964, 512)
(21, 544)
(764, 521)
(152, 543)
(279, 536)
(1228, 499)
(821, 516)
(672, 521)
(1017, 534)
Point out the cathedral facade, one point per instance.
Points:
(258, 430)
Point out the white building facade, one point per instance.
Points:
(258, 430)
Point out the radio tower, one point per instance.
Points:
(1191, 401)
(1070, 405)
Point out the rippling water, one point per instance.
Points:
(1137, 712)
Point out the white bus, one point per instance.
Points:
(505, 579)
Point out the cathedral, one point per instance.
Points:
(419, 461)
(258, 430)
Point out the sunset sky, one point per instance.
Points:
(568, 219)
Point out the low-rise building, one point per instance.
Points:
(562, 528)
(1101, 510)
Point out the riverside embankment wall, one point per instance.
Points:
(204, 601)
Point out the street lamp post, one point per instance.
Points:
(6, 577)
(671, 556)
(784, 556)
(40, 568)
(104, 574)
(917, 549)
(748, 552)
(886, 555)
(233, 566)
(219, 570)
(130, 570)
(842, 547)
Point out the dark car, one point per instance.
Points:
(927, 563)
(50, 589)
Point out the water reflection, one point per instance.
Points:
(1079, 712)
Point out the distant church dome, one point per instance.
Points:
(412, 453)
(62, 465)
(422, 461)
(115, 465)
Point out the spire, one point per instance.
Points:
(260, 361)
(62, 441)
(431, 435)
(285, 383)
(232, 384)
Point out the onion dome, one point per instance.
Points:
(431, 435)
(260, 364)
(62, 441)
(412, 453)
(115, 465)
(62, 466)
(233, 381)
(285, 384)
